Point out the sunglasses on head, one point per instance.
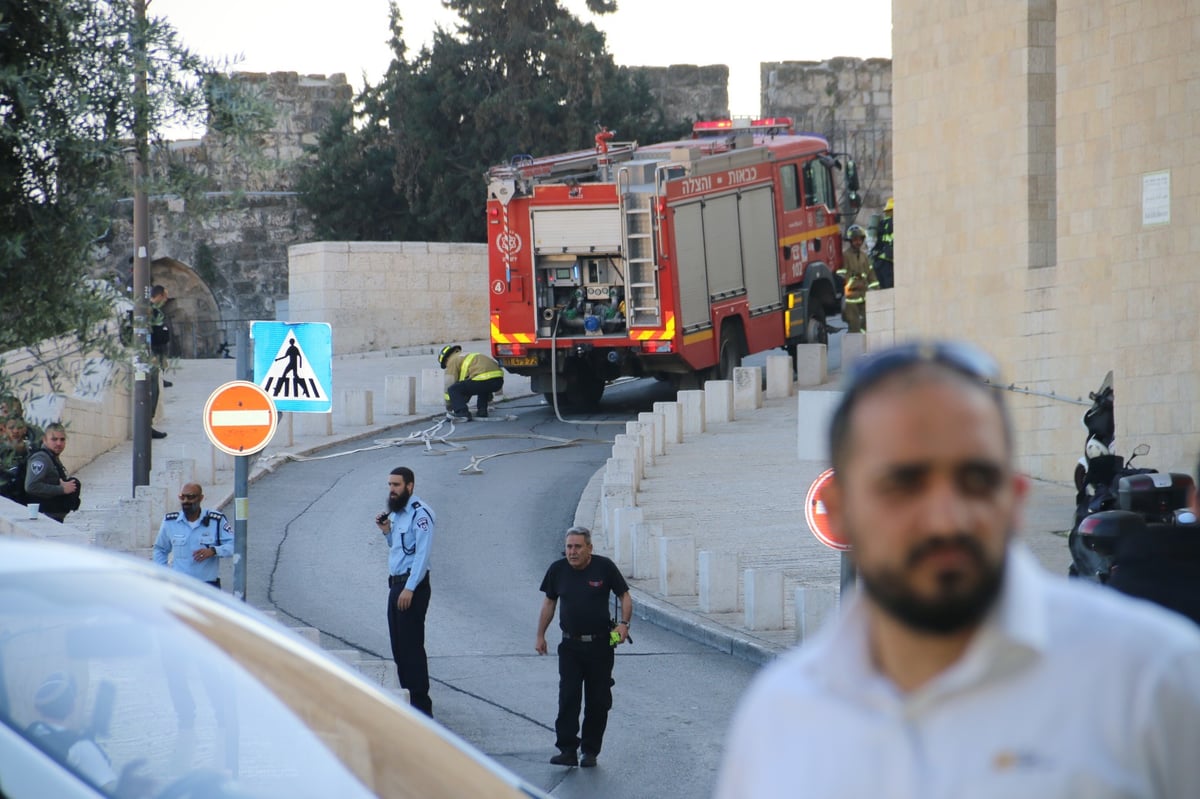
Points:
(955, 355)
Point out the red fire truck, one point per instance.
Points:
(671, 260)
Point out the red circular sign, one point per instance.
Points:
(497, 286)
(817, 516)
(240, 418)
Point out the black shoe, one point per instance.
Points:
(459, 416)
(157, 434)
(481, 414)
(588, 760)
(567, 759)
(167, 384)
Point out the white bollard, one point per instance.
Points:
(285, 435)
(747, 388)
(764, 599)
(854, 346)
(779, 376)
(433, 392)
(622, 541)
(645, 536)
(400, 394)
(612, 496)
(691, 404)
(812, 364)
(672, 421)
(156, 497)
(813, 607)
(677, 566)
(625, 469)
(815, 409)
(314, 424)
(645, 442)
(655, 424)
(358, 407)
(718, 582)
(718, 401)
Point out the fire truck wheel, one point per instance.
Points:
(731, 353)
(815, 331)
(585, 390)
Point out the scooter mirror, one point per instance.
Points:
(1141, 449)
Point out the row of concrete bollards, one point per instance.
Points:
(671, 563)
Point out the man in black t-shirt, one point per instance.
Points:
(585, 657)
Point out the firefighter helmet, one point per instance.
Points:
(891, 203)
(446, 352)
(856, 232)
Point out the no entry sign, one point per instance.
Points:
(240, 418)
(817, 516)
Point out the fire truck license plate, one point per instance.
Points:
(527, 360)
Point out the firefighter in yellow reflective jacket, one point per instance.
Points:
(859, 276)
(469, 374)
(885, 264)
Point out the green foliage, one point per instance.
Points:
(70, 113)
(516, 77)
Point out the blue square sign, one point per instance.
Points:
(293, 363)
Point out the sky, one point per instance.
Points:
(350, 36)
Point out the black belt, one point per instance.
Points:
(397, 579)
(587, 639)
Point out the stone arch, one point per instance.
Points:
(195, 319)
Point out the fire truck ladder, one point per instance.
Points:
(643, 304)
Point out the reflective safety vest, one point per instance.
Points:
(464, 371)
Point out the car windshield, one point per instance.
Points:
(212, 702)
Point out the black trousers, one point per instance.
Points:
(584, 674)
(463, 390)
(885, 270)
(407, 630)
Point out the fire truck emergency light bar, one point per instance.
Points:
(741, 123)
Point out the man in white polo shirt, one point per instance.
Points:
(961, 669)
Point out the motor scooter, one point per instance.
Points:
(1104, 481)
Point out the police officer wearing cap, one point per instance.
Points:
(408, 526)
(194, 538)
(469, 374)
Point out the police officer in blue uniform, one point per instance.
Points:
(408, 526)
(194, 538)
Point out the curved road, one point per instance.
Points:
(316, 556)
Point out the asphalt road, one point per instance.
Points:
(316, 556)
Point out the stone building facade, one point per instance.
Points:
(1053, 148)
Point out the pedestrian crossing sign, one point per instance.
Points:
(293, 363)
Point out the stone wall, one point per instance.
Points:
(1039, 131)
(89, 395)
(689, 92)
(236, 237)
(380, 295)
(849, 102)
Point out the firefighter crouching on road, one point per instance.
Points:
(469, 375)
(885, 266)
(859, 277)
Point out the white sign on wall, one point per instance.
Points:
(1156, 198)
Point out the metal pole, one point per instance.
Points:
(848, 575)
(142, 412)
(241, 474)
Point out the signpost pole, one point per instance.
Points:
(848, 575)
(241, 475)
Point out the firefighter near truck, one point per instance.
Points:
(672, 260)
